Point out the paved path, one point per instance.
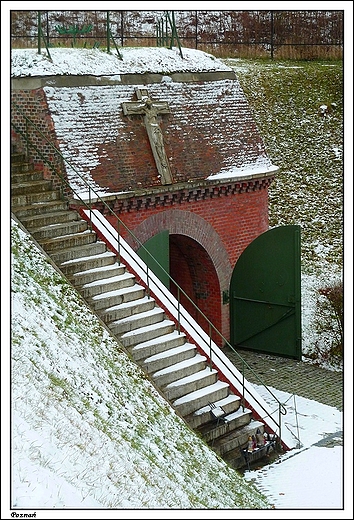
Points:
(292, 376)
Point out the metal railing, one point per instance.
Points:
(175, 302)
(110, 36)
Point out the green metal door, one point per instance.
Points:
(159, 258)
(265, 294)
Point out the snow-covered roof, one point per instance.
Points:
(209, 135)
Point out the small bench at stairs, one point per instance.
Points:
(264, 445)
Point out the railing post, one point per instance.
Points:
(90, 208)
(39, 32)
(108, 38)
(62, 169)
(148, 281)
(178, 310)
(243, 386)
(27, 139)
(118, 239)
(297, 423)
(210, 348)
(121, 29)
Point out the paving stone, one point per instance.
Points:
(292, 376)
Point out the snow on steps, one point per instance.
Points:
(174, 364)
(201, 417)
(97, 273)
(184, 368)
(157, 345)
(79, 266)
(269, 415)
(124, 310)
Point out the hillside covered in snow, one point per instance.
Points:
(89, 430)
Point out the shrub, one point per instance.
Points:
(330, 321)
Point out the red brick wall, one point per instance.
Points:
(209, 231)
(210, 223)
(40, 131)
(210, 129)
(237, 218)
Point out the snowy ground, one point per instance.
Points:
(95, 62)
(310, 478)
(64, 455)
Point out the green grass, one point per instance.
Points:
(285, 99)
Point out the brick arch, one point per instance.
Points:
(186, 223)
(212, 252)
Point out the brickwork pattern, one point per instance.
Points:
(209, 130)
(34, 105)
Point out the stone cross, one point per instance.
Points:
(151, 109)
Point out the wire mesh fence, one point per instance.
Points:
(245, 34)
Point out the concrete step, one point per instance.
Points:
(191, 383)
(32, 198)
(220, 427)
(107, 285)
(236, 439)
(18, 165)
(105, 300)
(157, 345)
(68, 254)
(96, 260)
(137, 321)
(39, 186)
(97, 273)
(134, 337)
(58, 244)
(20, 175)
(191, 402)
(48, 219)
(168, 358)
(124, 310)
(58, 230)
(183, 369)
(39, 208)
(202, 416)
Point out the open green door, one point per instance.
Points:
(265, 294)
(158, 247)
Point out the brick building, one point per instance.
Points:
(173, 150)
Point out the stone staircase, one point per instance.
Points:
(174, 365)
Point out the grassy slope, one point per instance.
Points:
(86, 419)
(286, 99)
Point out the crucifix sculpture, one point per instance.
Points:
(151, 109)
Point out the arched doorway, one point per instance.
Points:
(196, 258)
(192, 269)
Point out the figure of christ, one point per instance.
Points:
(151, 109)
